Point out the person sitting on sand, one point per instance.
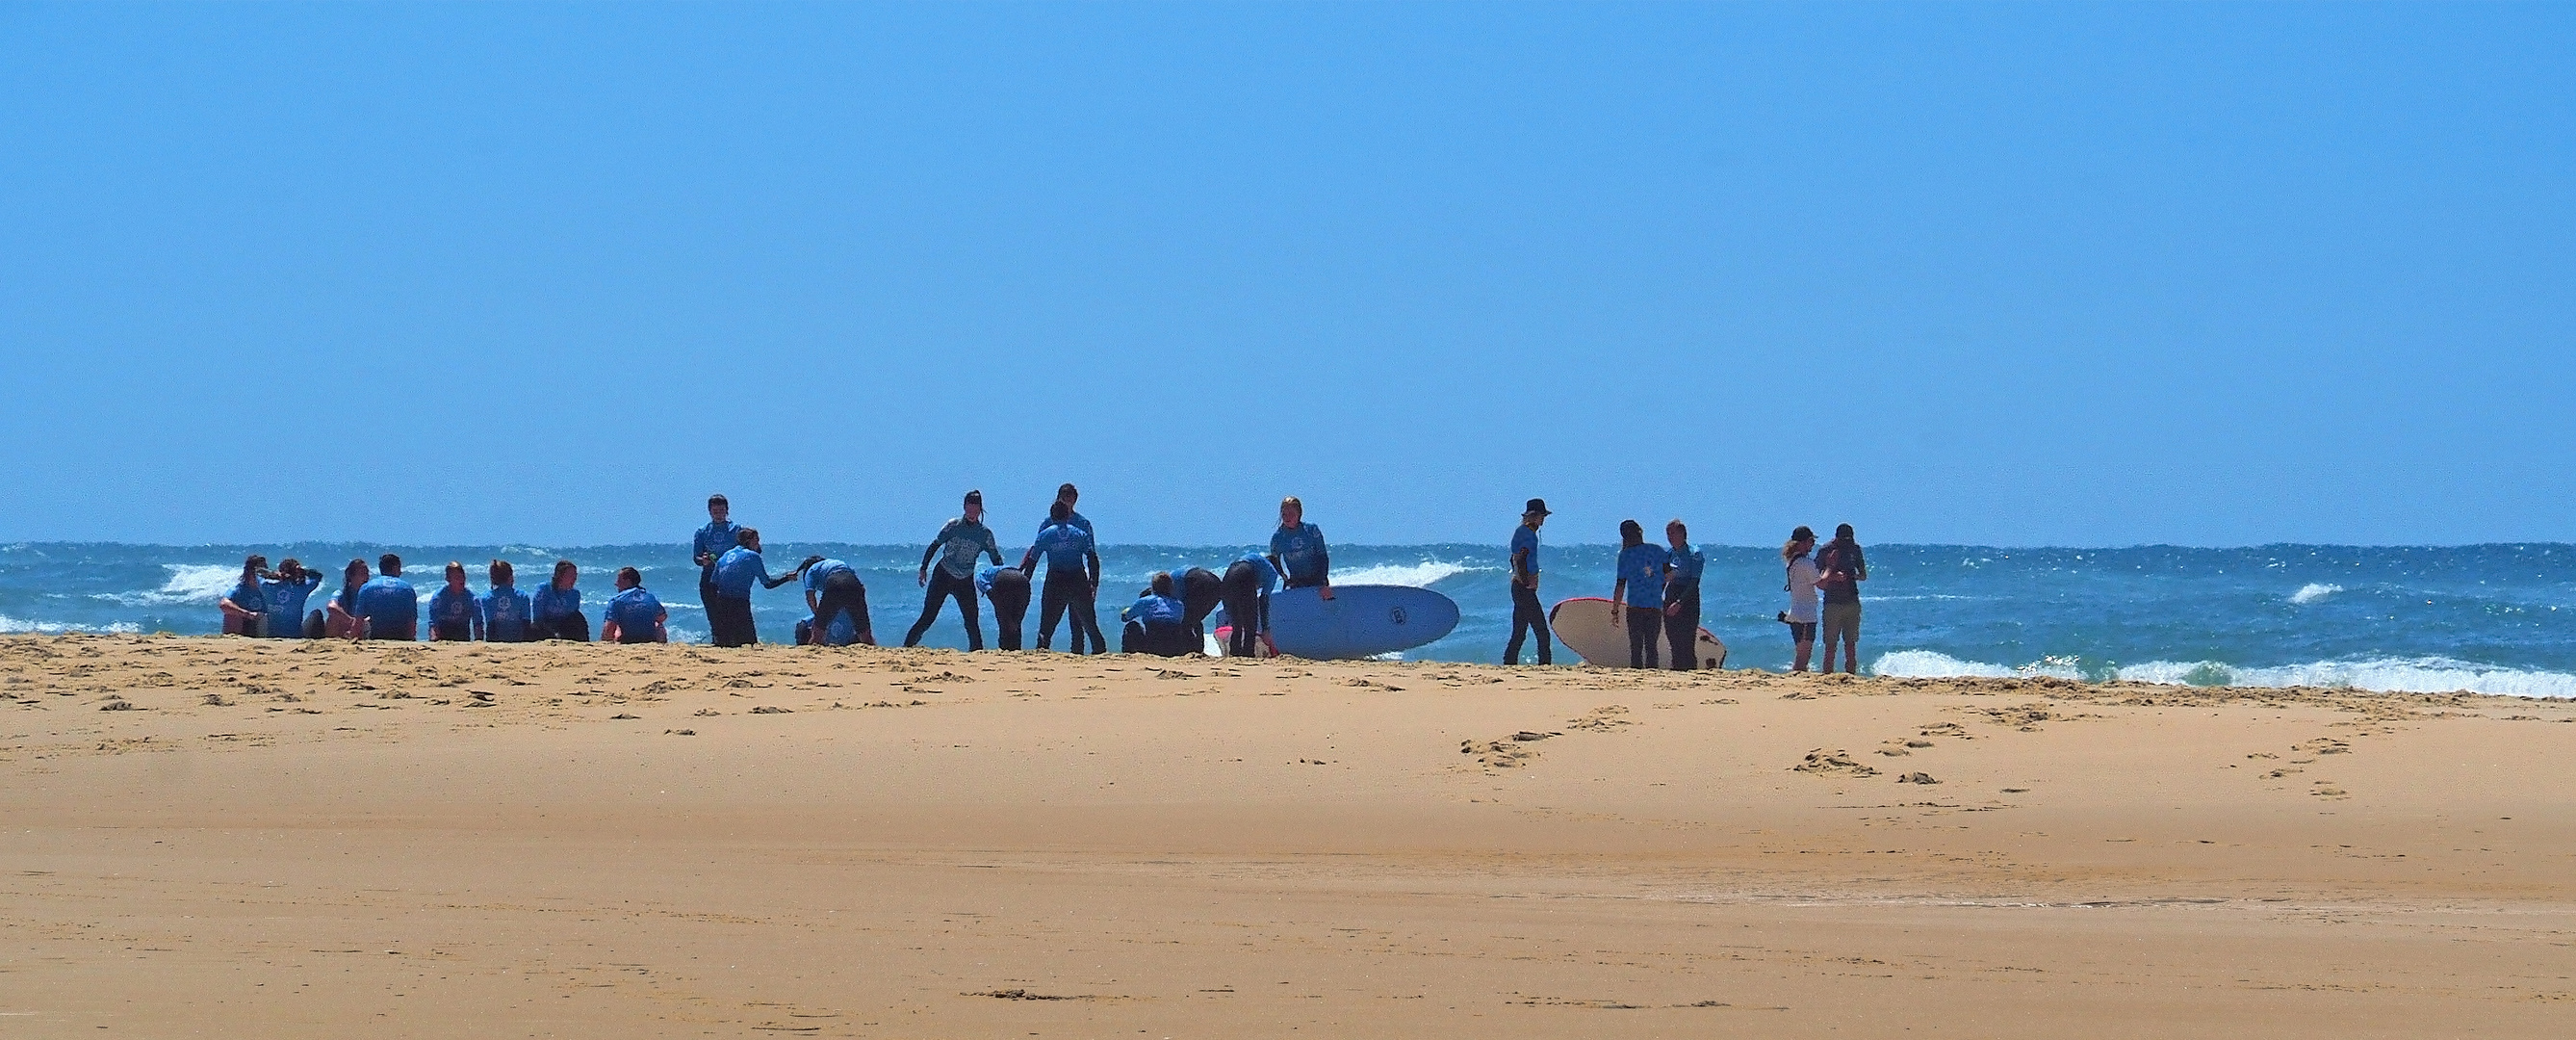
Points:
(1637, 598)
(245, 608)
(1800, 584)
(557, 607)
(287, 592)
(959, 544)
(388, 609)
(506, 615)
(453, 616)
(833, 592)
(1007, 589)
(729, 617)
(1153, 622)
(340, 619)
(1072, 580)
(1297, 550)
(633, 615)
(1245, 590)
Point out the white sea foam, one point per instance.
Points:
(13, 627)
(188, 583)
(2312, 592)
(2387, 675)
(1418, 575)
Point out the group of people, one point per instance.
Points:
(1655, 595)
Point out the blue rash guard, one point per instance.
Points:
(505, 615)
(1301, 554)
(1262, 569)
(1067, 547)
(1642, 567)
(250, 596)
(286, 604)
(1524, 539)
(449, 607)
(1683, 584)
(635, 612)
(737, 569)
(389, 604)
(1075, 518)
(822, 571)
(551, 603)
(715, 539)
(1151, 610)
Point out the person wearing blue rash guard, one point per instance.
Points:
(506, 615)
(1007, 589)
(633, 615)
(960, 542)
(453, 617)
(729, 614)
(833, 591)
(1637, 598)
(557, 607)
(1246, 589)
(287, 593)
(1527, 615)
(245, 608)
(1682, 568)
(1069, 495)
(1153, 622)
(388, 609)
(719, 537)
(1297, 550)
(340, 619)
(1072, 581)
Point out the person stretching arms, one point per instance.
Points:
(959, 543)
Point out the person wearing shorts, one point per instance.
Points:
(1801, 587)
(1841, 568)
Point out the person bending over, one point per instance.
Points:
(1682, 569)
(1637, 598)
(1297, 550)
(1200, 591)
(506, 617)
(1007, 589)
(1246, 591)
(729, 614)
(388, 609)
(454, 617)
(834, 592)
(959, 544)
(1153, 622)
(341, 614)
(245, 608)
(1072, 581)
(557, 607)
(633, 615)
(287, 592)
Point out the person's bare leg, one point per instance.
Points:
(1805, 649)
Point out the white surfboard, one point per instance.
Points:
(1583, 625)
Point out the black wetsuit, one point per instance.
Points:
(1200, 591)
(1245, 608)
(1008, 589)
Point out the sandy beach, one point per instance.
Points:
(218, 837)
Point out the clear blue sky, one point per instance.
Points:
(2030, 274)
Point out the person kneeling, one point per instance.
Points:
(1154, 623)
(633, 615)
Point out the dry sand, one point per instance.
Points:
(217, 837)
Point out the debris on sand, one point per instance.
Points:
(1835, 760)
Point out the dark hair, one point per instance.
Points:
(389, 564)
(453, 566)
(566, 565)
(975, 497)
(1842, 532)
(1631, 533)
(502, 573)
(717, 500)
(1059, 511)
(746, 536)
(1067, 488)
(810, 561)
(631, 574)
(355, 567)
(1162, 583)
(290, 565)
(254, 562)
(1677, 523)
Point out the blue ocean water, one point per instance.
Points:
(2488, 618)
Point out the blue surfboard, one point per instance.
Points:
(1359, 621)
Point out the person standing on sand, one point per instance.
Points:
(557, 607)
(452, 614)
(719, 537)
(1840, 569)
(1681, 597)
(341, 620)
(1297, 550)
(245, 608)
(1527, 615)
(1801, 587)
(1072, 580)
(729, 614)
(287, 593)
(505, 609)
(1007, 588)
(1637, 598)
(959, 543)
(388, 609)
(1069, 495)
(833, 591)
(633, 615)
(1245, 589)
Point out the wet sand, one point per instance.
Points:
(220, 837)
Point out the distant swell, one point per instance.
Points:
(2388, 675)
